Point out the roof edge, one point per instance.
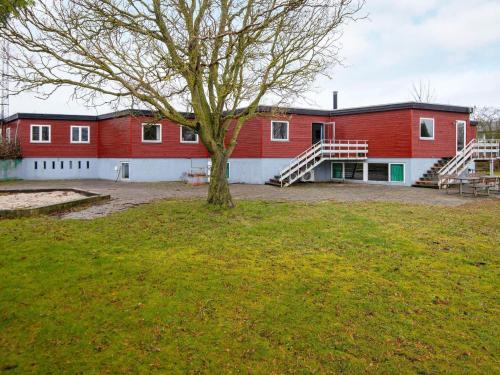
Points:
(260, 109)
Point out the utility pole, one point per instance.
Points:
(4, 81)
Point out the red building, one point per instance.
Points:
(395, 143)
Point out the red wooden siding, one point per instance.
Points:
(299, 135)
(249, 143)
(444, 143)
(388, 133)
(59, 145)
(114, 137)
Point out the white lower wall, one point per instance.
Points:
(242, 170)
(414, 169)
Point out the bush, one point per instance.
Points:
(10, 150)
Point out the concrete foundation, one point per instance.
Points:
(241, 170)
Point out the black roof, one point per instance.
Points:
(261, 109)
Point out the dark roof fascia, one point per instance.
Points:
(48, 116)
(398, 106)
(260, 109)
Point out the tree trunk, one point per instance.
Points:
(218, 191)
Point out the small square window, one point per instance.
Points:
(40, 133)
(427, 128)
(279, 131)
(80, 134)
(151, 133)
(188, 135)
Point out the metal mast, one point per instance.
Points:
(4, 80)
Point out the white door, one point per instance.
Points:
(125, 171)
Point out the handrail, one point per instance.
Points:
(473, 150)
(324, 149)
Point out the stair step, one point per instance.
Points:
(272, 183)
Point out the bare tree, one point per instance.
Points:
(219, 57)
(488, 119)
(423, 92)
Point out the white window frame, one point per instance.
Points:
(433, 129)
(287, 131)
(456, 133)
(191, 142)
(404, 173)
(40, 126)
(149, 141)
(80, 127)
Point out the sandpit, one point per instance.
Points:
(29, 202)
(14, 201)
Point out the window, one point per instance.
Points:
(353, 171)
(53, 165)
(62, 165)
(279, 131)
(0, 134)
(151, 133)
(227, 170)
(427, 128)
(7, 135)
(40, 133)
(88, 164)
(397, 172)
(44, 165)
(71, 164)
(36, 165)
(378, 172)
(79, 164)
(80, 134)
(188, 135)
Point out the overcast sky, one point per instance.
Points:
(453, 45)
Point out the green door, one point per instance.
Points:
(397, 173)
(337, 170)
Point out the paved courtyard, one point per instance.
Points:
(128, 194)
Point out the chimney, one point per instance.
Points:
(335, 102)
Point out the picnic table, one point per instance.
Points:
(479, 185)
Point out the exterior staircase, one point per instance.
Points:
(449, 168)
(315, 155)
(430, 179)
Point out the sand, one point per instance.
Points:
(13, 201)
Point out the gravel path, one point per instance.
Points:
(128, 194)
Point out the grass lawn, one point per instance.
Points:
(176, 287)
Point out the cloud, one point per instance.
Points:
(454, 45)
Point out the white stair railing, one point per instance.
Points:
(317, 153)
(475, 149)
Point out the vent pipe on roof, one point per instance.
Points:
(335, 99)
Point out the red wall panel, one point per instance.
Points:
(60, 145)
(388, 133)
(444, 143)
(299, 135)
(114, 137)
